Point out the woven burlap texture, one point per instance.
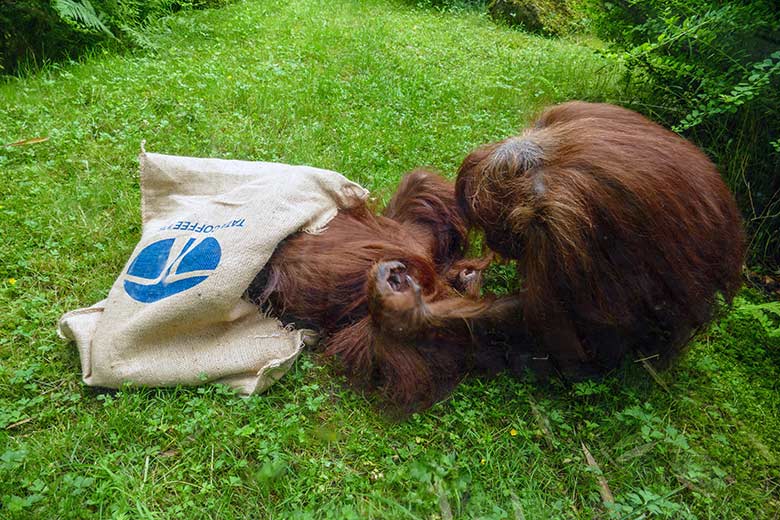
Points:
(175, 316)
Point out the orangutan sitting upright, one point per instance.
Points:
(623, 232)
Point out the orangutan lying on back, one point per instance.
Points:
(623, 232)
(392, 294)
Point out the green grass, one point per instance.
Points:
(370, 89)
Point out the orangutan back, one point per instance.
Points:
(624, 232)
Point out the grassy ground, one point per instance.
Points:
(370, 89)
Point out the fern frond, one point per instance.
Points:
(81, 14)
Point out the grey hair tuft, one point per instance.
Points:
(516, 154)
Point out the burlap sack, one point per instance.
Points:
(176, 314)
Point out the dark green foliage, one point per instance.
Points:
(712, 72)
(453, 4)
(518, 12)
(555, 17)
(33, 31)
(81, 15)
(550, 17)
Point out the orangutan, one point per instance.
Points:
(624, 235)
(394, 298)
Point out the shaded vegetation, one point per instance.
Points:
(711, 70)
(33, 32)
(552, 17)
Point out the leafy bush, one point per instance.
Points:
(712, 72)
(551, 17)
(453, 4)
(32, 31)
(554, 17)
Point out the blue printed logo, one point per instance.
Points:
(161, 271)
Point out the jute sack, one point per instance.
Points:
(176, 314)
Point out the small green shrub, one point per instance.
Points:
(453, 4)
(711, 70)
(553, 17)
(33, 31)
(81, 15)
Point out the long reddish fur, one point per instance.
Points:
(623, 232)
(412, 356)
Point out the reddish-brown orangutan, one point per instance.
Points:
(393, 295)
(623, 232)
